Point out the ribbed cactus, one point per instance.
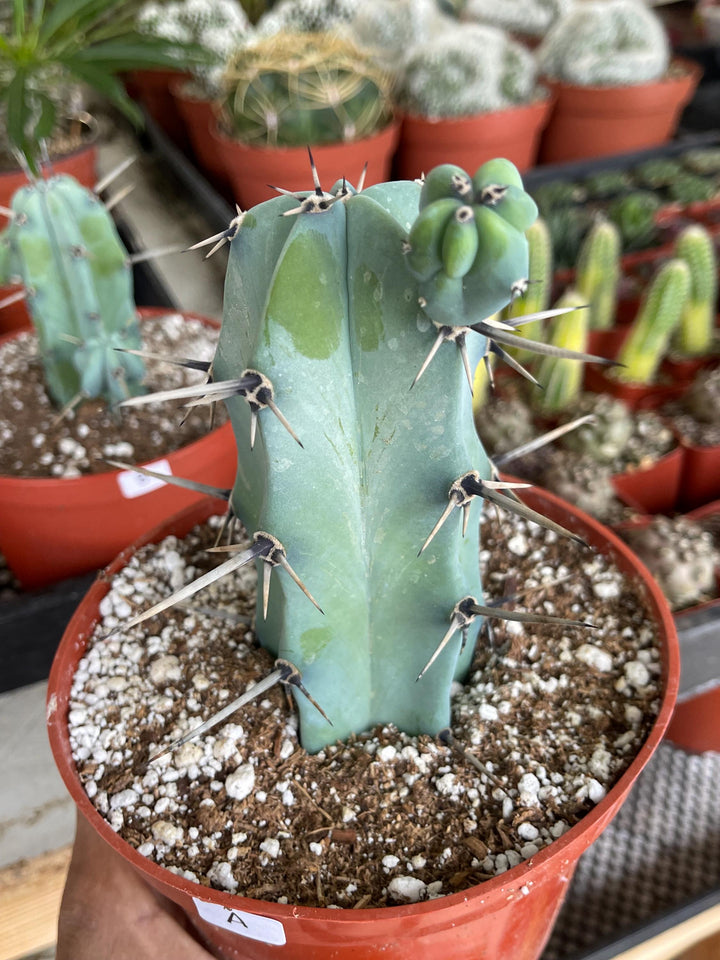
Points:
(561, 378)
(466, 70)
(605, 43)
(294, 89)
(598, 273)
(539, 289)
(658, 317)
(63, 246)
(334, 302)
(694, 336)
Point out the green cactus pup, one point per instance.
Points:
(694, 336)
(63, 246)
(334, 303)
(598, 273)
(659, 315)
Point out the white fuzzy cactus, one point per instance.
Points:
(393, 28)
(307, 16)
(606, 43)
(530, 17)
(466, 70)
(218, 26)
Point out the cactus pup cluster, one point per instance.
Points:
(350, 463)
(61, 243)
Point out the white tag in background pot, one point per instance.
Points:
(250, 925)
(133, 484)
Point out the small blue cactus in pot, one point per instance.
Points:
(61, 243)
(353, 322)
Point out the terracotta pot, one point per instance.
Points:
(52, 529)
(199, 118)
(13, 316)
(151, 88)
(655, 489)
(590, 122)
(510, 916)
(81, 164)
(252, 169)
(700, 482)
(469, 141)
(638, 396)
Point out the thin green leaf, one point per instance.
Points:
(46, 120)
(19, 17)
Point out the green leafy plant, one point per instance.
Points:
(336, 303)
(56, 43)
(294, 89)
(62, 244)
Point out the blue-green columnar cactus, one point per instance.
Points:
(63, 246)
(334, 303)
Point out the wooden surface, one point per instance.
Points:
(695, 939)
(30, 893)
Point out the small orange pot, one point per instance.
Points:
(199, 118)
(589, 122)
(81, 164)
(151, 88)
(507, 918)
(251, 169)
(469, 141)
(52, 529)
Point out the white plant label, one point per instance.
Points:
(133, 484)
(250, 925)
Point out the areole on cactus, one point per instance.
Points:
(335, 303)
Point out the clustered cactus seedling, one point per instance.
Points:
(465, 70)
(335, 304)
(607, 43)
(294, 89)
(63, 246)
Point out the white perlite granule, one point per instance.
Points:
(138, 672)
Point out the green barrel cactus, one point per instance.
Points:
(62, 244)
(335, 303)
(294, 89)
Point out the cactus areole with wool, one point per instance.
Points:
(336, 299)
(62, 244)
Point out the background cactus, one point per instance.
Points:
(658, 316)
(307, 16)
(63, 245)
(539, 289)
(694, 336)
(598, 273)
(293, 89)
(561, 378)
(530, 17)
(465, 70)
(607, 43)
(391, 29)
(333, 304)
(216, 26)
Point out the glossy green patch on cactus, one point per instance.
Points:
(64, 247)
(329, 308)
